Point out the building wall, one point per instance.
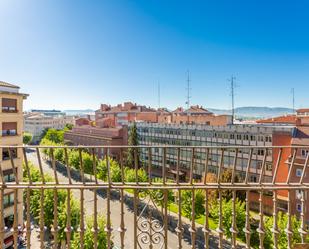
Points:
(209, 119)
(36, 123)
(233, 135)
(204, 135)
(87, 135)
(282, 139)
(9, 141)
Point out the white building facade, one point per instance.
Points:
(36, 123)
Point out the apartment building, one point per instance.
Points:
(36, 122)
(11, 118)
(90, 135)
(193, 115)
(229, 135)
(123, 114)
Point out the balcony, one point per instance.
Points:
(9, 129)
(131, 204)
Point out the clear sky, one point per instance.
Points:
(76, 54)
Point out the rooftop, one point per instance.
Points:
(8, 88)
(288, 119)
(5, 84)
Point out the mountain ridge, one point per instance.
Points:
(255, 111)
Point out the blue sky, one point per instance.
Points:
(76, 54)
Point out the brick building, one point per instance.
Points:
(90, 135)
(108, 116)
(194, 115)
(114, 116)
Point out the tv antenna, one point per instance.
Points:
(232, 93)
(188, 90)
(159, 95)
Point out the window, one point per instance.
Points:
(260, 138)
(8, 200)
(9, 105)
(298, 207)
(9, 129)
(253, 179)
(299, 172)
(260, 152)
(269, 166)
(252, 138)
(8, 175)
(6, 155)
(8, 221)
(304, 152)
(299, 194)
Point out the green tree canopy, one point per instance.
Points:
(282, 236)
(89, 235)
(56, 136)
(132, 141)
(186, 201)
(27, 138)
(227, 210)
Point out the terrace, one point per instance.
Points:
(140, 211)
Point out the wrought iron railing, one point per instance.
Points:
(139, 213)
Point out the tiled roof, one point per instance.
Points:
(5, 84)
(301, 137)
(198, 109)
(289, 119)
(303, 110)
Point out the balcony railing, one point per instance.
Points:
(147, 207)
(6, 133)
(9, 109)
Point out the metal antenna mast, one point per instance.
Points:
(188, 90)
(159, 95)
(293, 99)
(232, 80)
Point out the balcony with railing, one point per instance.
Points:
(72, 199)
(9, 129)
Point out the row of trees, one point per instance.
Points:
(62, 201)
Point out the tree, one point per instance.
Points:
(130, 176)
(186, 201)
(46, 142)
(227, 217)
(89, 235)
(226, 177)
(74, 160)
(132, 141)
(59, 154)
(56, 136)
(115, 170)
(48, 202)
(282, 236)
(68, 127)
(87, 162)
(63, 215)
(27, 138)
(212, 194)
(157, 195)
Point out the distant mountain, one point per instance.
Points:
(255, 111)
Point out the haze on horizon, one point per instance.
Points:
(78, 54)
